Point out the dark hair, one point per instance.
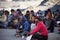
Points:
(6, 12)
(39, 18)
(46, 12)
(27, 11)
(12, 10)
(32, 11)
(19, 11)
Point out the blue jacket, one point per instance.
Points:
(10, 17)
(25, 26)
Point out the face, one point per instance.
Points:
(49, 14)
(7, 13)
(21, 14)
(33, 19)
(36, 20)
(14, 13)
(47, 17)
(30, 15)
(27, 12)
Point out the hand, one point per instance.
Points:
(17, 31)
(17, 35)
(28, 34)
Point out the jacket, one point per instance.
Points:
(41, 28)
(25, 26)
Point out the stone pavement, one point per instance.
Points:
(54, 36)
(9, 34)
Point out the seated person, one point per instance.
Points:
(40, 32)
(4, 19)
(23, 27)
(13, 20)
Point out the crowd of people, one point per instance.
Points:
(29, 21)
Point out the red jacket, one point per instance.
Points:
(41, 28)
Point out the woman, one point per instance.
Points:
(33, 24)
(49, 21)
(40, 31)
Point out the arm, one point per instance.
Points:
(26, 26)
(9, 18)
(36, 29)
(18, 26)
(4, 18)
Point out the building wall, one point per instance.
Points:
(21, 4)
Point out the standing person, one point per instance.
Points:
(40, 31)
(49, 22)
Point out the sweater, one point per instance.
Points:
(41, 28)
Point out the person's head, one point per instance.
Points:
(32, 12)
(12, 11)
(27, 12)
(20, 14)
(15, 21)
(37, 19)
(19, 11)
(48, 14)
(6, 12)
